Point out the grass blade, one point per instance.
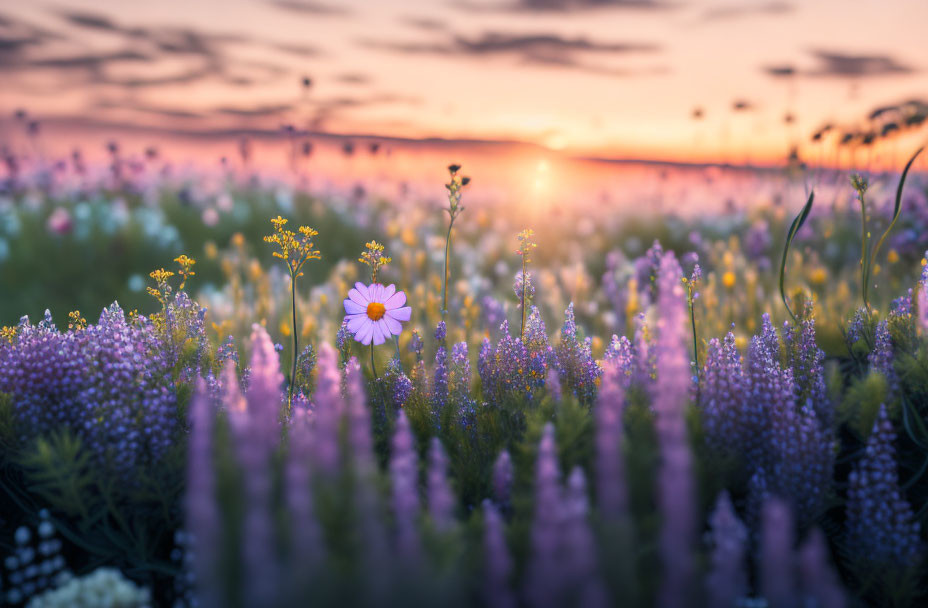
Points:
(897, 209)
(793, 229)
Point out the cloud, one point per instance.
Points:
(780, 71)
(739, 11)
(307, 7)
(856, 66)
(545, 49)
(298, 50)
(92, 21)
(253, 112)
(426, 24)
(562, 6)
(353, 78)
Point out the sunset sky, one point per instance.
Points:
(607, 78)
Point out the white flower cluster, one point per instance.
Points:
(102, 588)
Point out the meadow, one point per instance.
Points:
(230, 389)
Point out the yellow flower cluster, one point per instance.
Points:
(294, 250)
(373, 256)
(186, 268)
(76, 321)
(162, 290)
(526, 244)
(8, 333)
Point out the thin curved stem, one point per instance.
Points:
(522, 303)
(294, 342)
(444, 276)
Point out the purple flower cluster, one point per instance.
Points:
(752, 409)
(807, 361)
(881, 358)
(576, 365)
(110, 383)
(881, 527)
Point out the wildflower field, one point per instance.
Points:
(305, 399)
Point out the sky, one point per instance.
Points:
(685, 80)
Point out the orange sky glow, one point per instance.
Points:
(595, 78)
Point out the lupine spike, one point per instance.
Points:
(203, 515)
(675, 477)
(498, 563)
(819, 580)
(578, 547)
(727, 580)
(305, 534)
(502, 479)
(328, 410)
(404, 477)
(610, 465)
(441, 499)
(544, 582)
(777, 562)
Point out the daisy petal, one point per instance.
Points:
(379, 338)
(356, 322)
(400, 314)
(388, 291)
(364, 290)
(364, 336)
(359, 298)
(376, 292)
(353, 308)
(395, 301)
(392, 324)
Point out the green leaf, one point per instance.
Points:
(897, 209)
(793, 229)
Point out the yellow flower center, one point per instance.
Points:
(375, 311)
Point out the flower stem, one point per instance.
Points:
(444, 276)
(373, 367)
(522, 302)
(294, 342)
(693, 323)
(864, 257)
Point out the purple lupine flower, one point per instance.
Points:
(800, 458)
(441, 499)
(855, 329)
(540, 356)
(498, 569)
(306, 538)
(577, 367)
(202, 510)
(465, 407)
(493, 311)
(578, 549)
(405, 494)
(881, 358)
(728, 579)
(553, 384)
(527, 286)
(328, 409)
(439, 395)
(723, 399)
(502, 479)
(398, 385)
(230, 390)
(881, 528)
(675, 478)
(360, 442)
(544, 580)
(416, 344)
(777, 581)
(257, 431)
(620, 353)
(501, 368)
(610, 465)
(807, 361)
(305, 364)
(227, 351)
(922, 299)
(110, 382)
(818, 579)
(646, 362)
(343, 339)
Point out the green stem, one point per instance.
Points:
(864, 258)
(522, 303)
(444, 276)
(373, 367)
(294, 342)
(693, 323)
